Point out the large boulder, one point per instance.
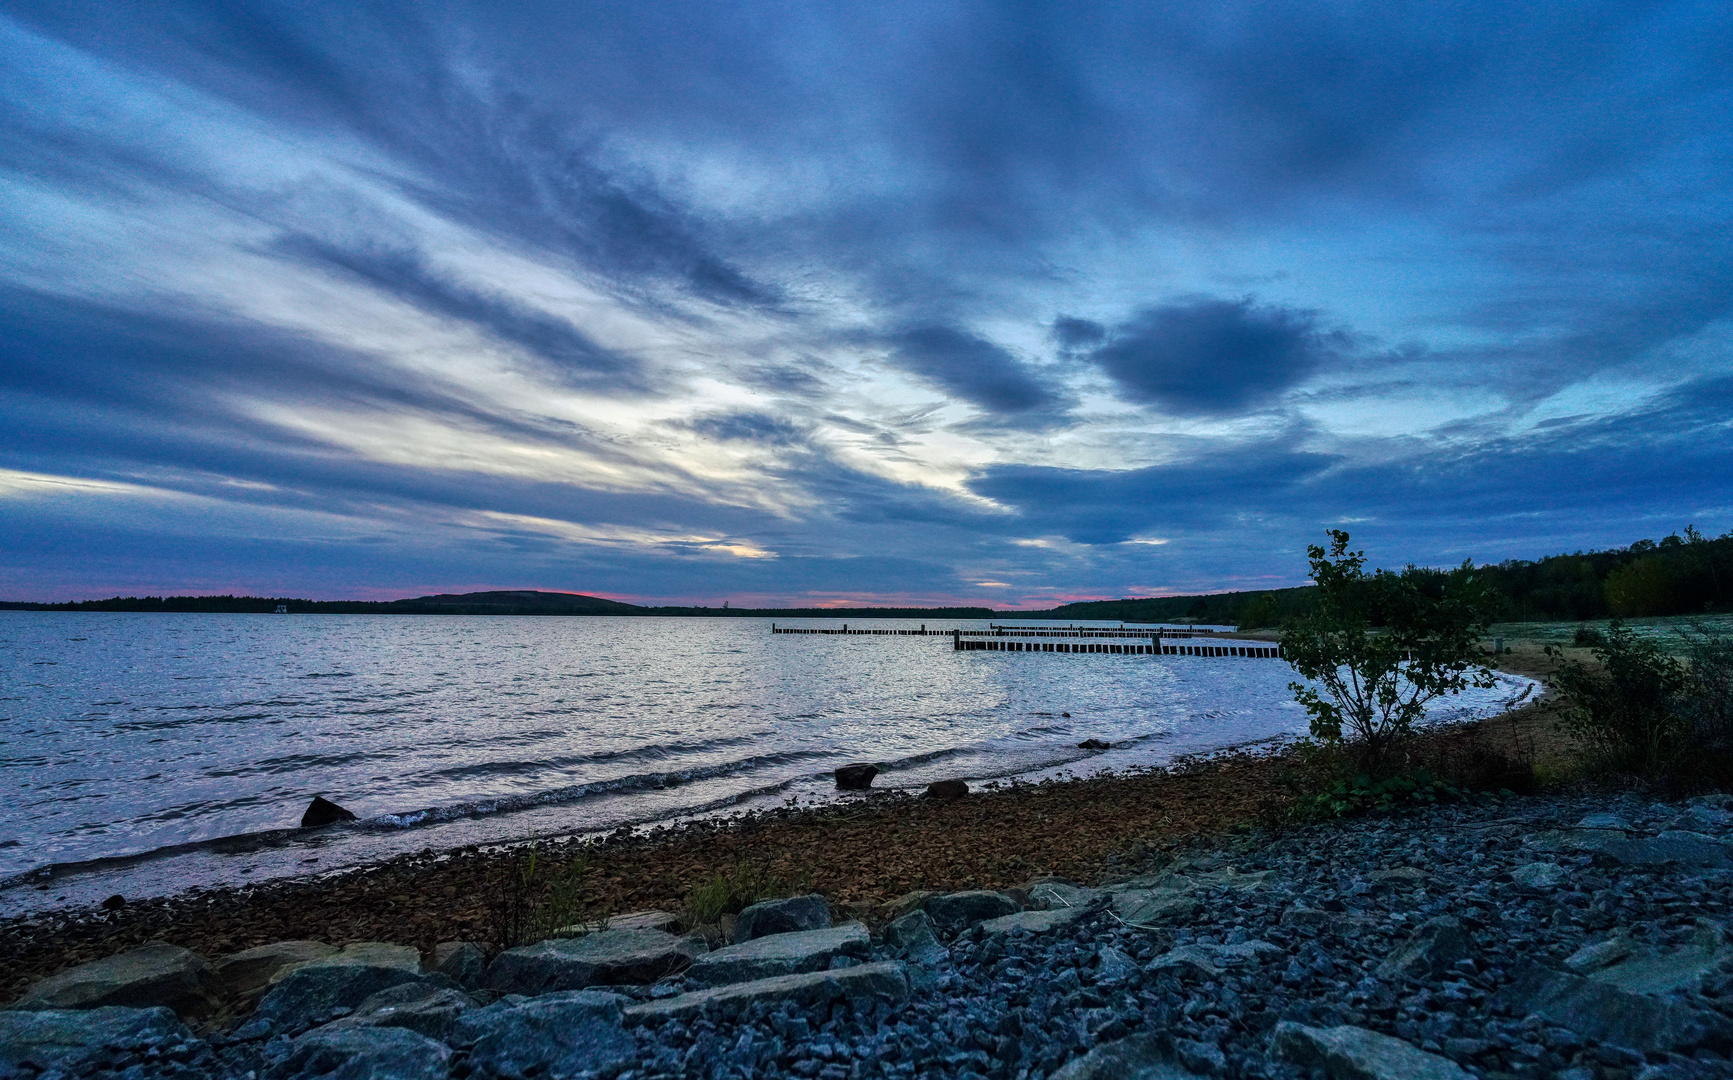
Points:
(463, 962)
(607, 958)
(71, 1040)
(858, 777)
(1608, 1014)
(947, 789)
(165, 975)
(780, 954)
(377, 954)
(886, 981)
(361, 1053)
(1136, 1057)
(1662, 971)
(951, 912)
(1353, 1053)
(913, 933)
(553, 1035)
(312, 993)
(810, 912)
(250, 971)
(1430, 952)
(1033, 922)
(1058, 895)
(423, 1007)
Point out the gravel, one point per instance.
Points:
(1311, 945)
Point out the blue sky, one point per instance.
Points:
(799, 303)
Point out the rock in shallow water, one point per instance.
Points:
(857, 777)
(784, 916)
(322, 811)
(165, 975)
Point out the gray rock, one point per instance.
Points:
(1058, 896)
(463, 962)
(377, 954)
(631, 920)
(1247, 951)
(885, 980)
(1352, 1053)
(1139, 1057)
(250, 971)
(1604, 820)
(1197, 959)
(1539, 875)
(556, 1034)
(951, 912)
(1662, 971)
(1142, 907)
(69, 1039)
(608, 958)
(1594, 957)
(780, 954)
(1200, 1057)
(913, 933)
(1034, 922)
(810, 912)
(1430, 952)
(425, 1008)
(165, 975)
(1401, 877)
(1592, 1008)
(361, 1054)
(309, 994)
(1113, 966)
(1674, 846)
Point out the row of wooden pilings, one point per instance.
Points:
(1001, 631)
(1157, 647)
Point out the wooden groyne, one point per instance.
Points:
(1251, 650)
(1070, 640)
(922, 632)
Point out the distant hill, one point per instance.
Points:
(1678, 576)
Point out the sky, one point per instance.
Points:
(816, 304)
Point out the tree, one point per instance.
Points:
(1628, 707)
(1377, 647)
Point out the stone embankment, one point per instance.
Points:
(1584, 938)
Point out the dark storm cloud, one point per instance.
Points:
(1073, 333)
(407, 276)
(1205, 356)
(973, 369)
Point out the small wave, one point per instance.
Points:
(327, 675)
(566, 762)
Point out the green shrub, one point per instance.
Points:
(732, 891)
(536, 901)
(1628, 712)
(1364, 795)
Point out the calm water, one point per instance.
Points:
(145, 753)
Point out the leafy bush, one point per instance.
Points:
(1588, 635)
(1381, 645)
(733, 891)
(1628, 711)
(1364, 795)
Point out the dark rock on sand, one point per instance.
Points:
(810, 912)
(114, 903)
(69, 1040)
(857, 777)
(165, 975)
(947, 789)
(362, 1053)
(606, 958)
(322, 811)
(554, 1035)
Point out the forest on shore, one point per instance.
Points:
(1686, 574)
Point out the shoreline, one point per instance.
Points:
(861, 853)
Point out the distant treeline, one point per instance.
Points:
(1679, 575)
